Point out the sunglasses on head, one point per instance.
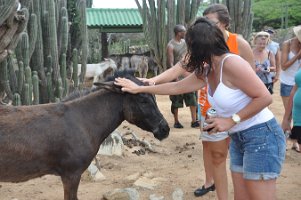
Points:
(263, 36)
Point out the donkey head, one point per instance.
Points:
(140, 109)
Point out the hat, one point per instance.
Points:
(262, 33)
(297, 31)
(270, 31)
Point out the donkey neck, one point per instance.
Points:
(100, 113)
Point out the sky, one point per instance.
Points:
(114, 4)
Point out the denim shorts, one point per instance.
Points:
(285, 90)
(259, 151)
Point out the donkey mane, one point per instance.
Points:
(78, 94)
(129, 74)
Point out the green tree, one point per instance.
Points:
(276, 13)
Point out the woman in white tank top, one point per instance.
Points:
(257, 148)
(290, 63)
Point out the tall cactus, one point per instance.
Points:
(89, 3)
(40, 73)
(84, 38)
(35, 88)
(12, 23)
(241, 15)
(155, 22)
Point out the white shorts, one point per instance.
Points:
(214, 137)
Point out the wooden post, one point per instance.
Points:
(104, 46)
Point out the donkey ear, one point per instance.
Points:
(108, 86)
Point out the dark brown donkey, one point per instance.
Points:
(63, 138)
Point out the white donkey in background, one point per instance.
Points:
(99, 71)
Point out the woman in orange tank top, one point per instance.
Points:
(215, 167)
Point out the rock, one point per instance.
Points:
(113, 145)
(154, 197)
(178, 194)
(147, 183)
(99, 176)
(122, 194)
(148, 175)
(133, 177)
(93, 174)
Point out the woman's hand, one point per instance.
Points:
(218, 124)
(127, 85)
(286, 124)
(147, 81)
(276, 78)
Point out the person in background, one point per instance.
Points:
(264, 59)
(257, 148)
(274, 47)
(291, 63)
(176, 49)
(293, 112)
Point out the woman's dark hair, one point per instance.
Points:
(222, 13)
(204, 40)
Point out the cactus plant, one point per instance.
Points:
(35, 88)
(17, 100)
(241, 15)
(28, 82)
(40, 75)
(75, 68)
(155, 22)
(12, 23)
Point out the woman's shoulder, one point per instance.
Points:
(285, 46)
(242, 42)
(244, 48)
(234, 60)
(235, 67)
(287, 42)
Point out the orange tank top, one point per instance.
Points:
(232, 43)
(202, 94)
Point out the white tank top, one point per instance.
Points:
(288, 76)
(228, 101)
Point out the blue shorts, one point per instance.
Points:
(285, 90)
(259, 151)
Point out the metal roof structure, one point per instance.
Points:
(117, 20)
(111, 20)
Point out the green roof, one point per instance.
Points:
(114, 20)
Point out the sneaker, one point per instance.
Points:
(195, 124)
(202, 191)
(178, 125)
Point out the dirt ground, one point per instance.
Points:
(178, 165)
